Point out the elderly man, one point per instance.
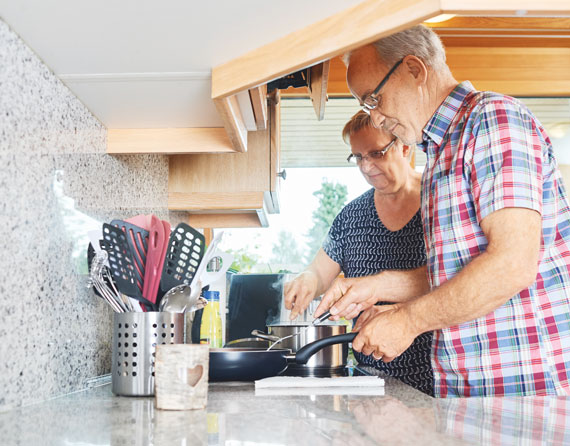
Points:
(496, 225)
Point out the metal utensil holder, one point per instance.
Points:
(135, 337)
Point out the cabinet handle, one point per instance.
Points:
(282, 174)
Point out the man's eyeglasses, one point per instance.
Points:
(370, 102)
(372, 156)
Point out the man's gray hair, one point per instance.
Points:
(419, 41)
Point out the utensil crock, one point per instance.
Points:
(135, 337)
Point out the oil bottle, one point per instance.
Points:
(211, 326)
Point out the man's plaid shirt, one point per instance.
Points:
(486, 152)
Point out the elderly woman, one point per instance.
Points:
(380, 230)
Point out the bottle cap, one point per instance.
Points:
(212, 295)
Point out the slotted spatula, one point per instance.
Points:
(155, 254)
(140, 220)
(186, 248)
(120, 259)
(137, 238)
(121, 263)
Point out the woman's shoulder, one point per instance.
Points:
(357, 208)
(364, 201)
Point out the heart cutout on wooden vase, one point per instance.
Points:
(191, 376)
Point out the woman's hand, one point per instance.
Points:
(300, 292)
(348, 297)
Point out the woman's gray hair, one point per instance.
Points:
(419, 41)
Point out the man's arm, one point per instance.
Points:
(348, 297)
(310, 283)
(508, 265)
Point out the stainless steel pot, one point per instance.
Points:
(334, 356)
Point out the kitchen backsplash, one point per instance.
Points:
(57, 183)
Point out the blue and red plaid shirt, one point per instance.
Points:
(486, 152)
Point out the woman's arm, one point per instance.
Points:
(310, 283)
(348, 297)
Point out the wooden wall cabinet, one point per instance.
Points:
(230, 189)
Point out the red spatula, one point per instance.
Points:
(155, 254)
(140, 220)
(166, 226)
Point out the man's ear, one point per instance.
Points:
(406, 150)
(416, 67)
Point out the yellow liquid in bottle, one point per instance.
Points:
(211, 326)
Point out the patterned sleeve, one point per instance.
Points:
(333, 243)
(506, 170)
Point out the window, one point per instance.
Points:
(314, 154)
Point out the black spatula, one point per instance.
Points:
(120, 260)
(186, 248)
(137, 239)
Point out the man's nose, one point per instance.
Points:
(377, 118)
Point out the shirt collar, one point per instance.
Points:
(439, 123)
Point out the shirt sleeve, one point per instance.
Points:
(506, 169)
(333, 243)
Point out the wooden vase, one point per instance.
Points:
(181, 376)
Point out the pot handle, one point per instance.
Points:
(261, 335)
(304, 354)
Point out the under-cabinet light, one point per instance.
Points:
(440, 18)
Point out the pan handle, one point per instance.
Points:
(259, 334)
(304, 354)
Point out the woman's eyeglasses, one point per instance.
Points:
(372, 156)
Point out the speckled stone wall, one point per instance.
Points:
(56, 183)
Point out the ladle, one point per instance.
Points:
(181, 299)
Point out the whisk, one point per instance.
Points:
(100, 272)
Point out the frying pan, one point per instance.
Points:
(260, 344)
(250, 364)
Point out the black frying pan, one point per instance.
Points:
(249, 364)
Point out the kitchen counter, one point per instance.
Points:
(235, 415)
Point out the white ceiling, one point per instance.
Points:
(147, 63)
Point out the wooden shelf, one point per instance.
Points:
(168, 141)
(537, 72)
(353, 28)
(252, 219)
(235, 189)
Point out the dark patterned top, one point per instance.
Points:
(362, 245)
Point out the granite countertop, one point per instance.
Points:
(235, 415)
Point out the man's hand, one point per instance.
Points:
(385, 331)
(368, 315)
(348, 297)
(300, 292)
